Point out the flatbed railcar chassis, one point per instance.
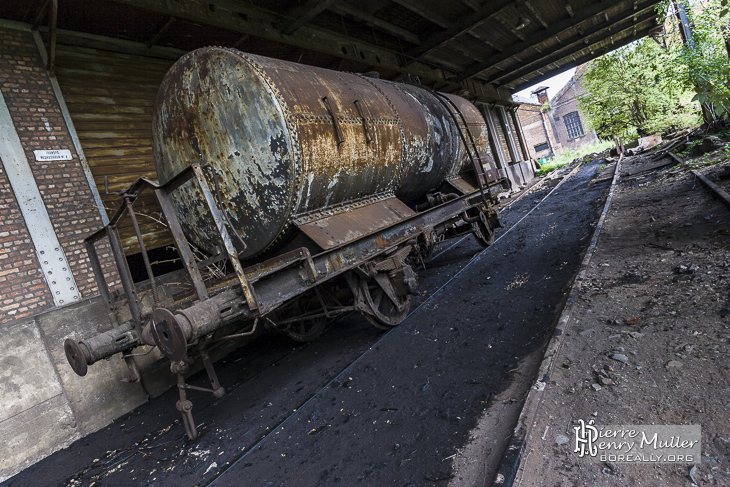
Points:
(374, 271)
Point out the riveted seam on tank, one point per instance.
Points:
(308, 118)
(291, 125)
(400, 125)
(304, 218)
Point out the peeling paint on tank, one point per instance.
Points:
(278, 146)
(332, 184)
(262, 124)
(310, 179)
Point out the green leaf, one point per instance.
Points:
(643, 86)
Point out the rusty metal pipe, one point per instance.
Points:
(435, 200)
(124, 274)
(249, 333)
(86, 352)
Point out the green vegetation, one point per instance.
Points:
(633, 91)
(570, 155)
(705, 56)
(657, 85)
(688, 148)
(709, 158)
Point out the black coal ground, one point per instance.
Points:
(308, 415)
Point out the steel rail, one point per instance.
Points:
(279, 426)
(714, 188)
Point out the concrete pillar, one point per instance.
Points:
(515, 169)
(520, 134)
(526, 166)
(505, 169)
(509, 135)
(499, 156)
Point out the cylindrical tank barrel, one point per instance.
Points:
(289, 140)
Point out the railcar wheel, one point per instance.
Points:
(385, 308)
(483, 233)
(308, 328)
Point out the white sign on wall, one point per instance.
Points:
(52, 155)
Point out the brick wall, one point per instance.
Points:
(533, 128)
(564, 103)
(38, 120)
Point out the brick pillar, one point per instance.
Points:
(36, 118)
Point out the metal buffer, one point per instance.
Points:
(170, 332)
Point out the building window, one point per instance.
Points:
(541, 147)
(573, 125)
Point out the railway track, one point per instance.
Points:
(256, 411)
(433, 296)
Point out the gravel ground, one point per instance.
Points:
(648, 339)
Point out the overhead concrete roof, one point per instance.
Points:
(480, 48)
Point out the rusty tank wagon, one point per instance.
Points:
(318, 190)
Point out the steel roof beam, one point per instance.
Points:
(298, 16)
(247, 19)
(466, 51)
(573, 45)
(372, 21)
(536, 14)
(577, 62)
(161, 32)
(462, 26)
(558, 28)
(418, 9)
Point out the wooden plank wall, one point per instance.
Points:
(110, 97)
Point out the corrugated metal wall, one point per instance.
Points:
(110, 97)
